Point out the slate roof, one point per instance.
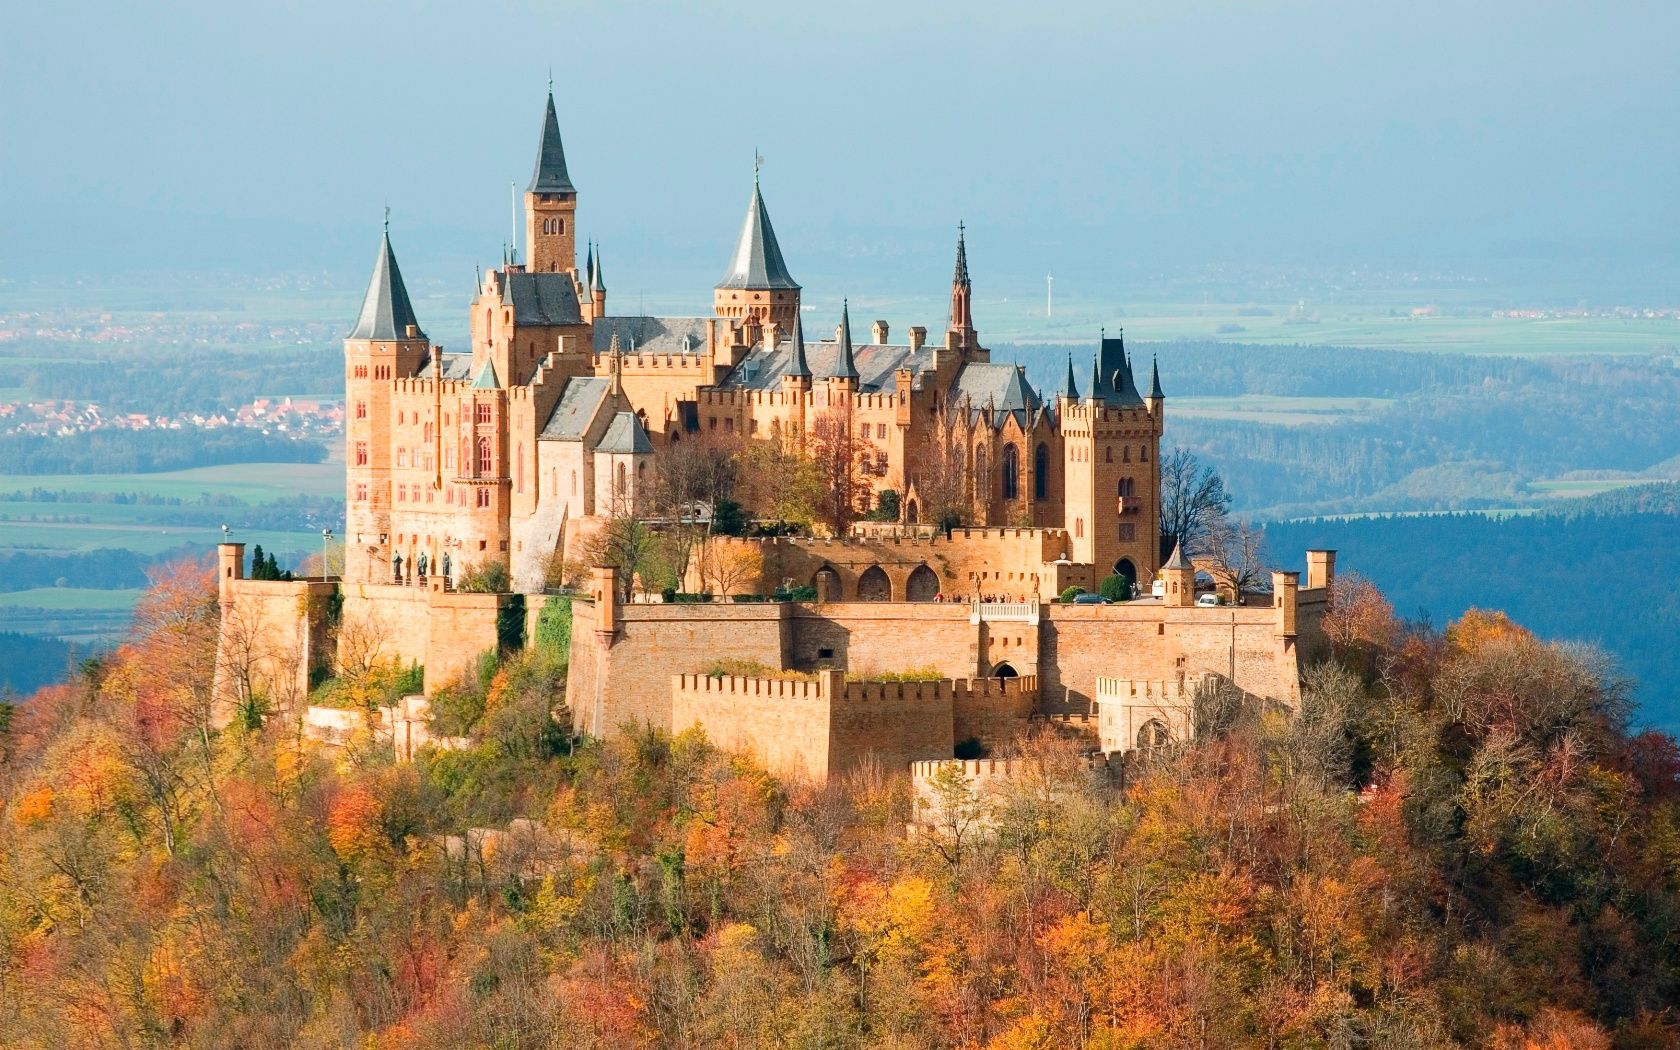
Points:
(1155, 378)
(550, 175)
(625, 434)
(542, 298)
(575, 408)
(796, 365)
(1000, 387)
(487, 378)
(455, 366)
(386, 311)
(653, 335)
(1177, 561)
(757, 262)
(1069, 388)
(845, 367)
(763, 369)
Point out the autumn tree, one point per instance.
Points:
(938, 470)
(1234, 550)
(840, 450)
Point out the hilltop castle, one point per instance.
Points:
(555, 420)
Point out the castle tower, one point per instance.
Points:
(550, 203)
(385, 345)
(1112, 444)
(597, 284)
(758, 287)
(1179, 577)
(960, 333)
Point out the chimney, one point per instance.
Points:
(770, 335)
(880, 331)
(412, 332)
(918, 336)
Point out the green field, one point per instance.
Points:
(251, 482)
(1279, 411)
(61, 599)
(1570, 489)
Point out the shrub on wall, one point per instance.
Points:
(925, 673)
(487, 577)
(1072, 592)
(735, 667)
(554, 628)
(1116, 588)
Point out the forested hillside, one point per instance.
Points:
(1600, 570)
(1454, 843)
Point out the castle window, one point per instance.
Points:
(483, 412)
(361, 492)
(427, 433)
(1079, 528)
(1009, 466)
(559, 225)
(399, 417)
(1128, 487)
(402, 457)
(1143, 453)
(519, 467)
(574, 483)
(1108, 453)
(623, 480)
(486, 462)
(483, 501)
(361, 410)
(361, 454)
(881, 431)
(1125, 453)
(1041, 471)
(752, 426)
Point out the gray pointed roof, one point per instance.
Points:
(550, 175)
(386, 311)
(1096, 391)
(797, 366)
(1177, 560)
(757, 263)
(625, 434)
(845, 366)
(1155, 378)
(596, 282)
(1070, 389)
(1003, 388)
(486, 378)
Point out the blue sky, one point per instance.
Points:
(268, 138)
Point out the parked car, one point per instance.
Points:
(1090, 599)
(1208, 600)
(1158, 589)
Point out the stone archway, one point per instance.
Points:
(922, 586)
(1127, 571)
(910, 512)
(1153, 734)
(827, 583)
(1005, 670)
(874, 586)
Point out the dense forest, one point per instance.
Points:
(183, 379)
(1600, 570)
(113, 451)
(1455, 842)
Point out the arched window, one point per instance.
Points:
(486, 462)
(623, 482)
(980, 470)
(1108, 453)
(1009, 466)
(1128, 487)
(361, 454)
(922, 586)
(1125, 453)
(1041, 471)
(519, 467)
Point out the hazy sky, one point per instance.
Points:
(1078, 137)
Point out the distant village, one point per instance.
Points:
(290, 417)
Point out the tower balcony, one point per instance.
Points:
(1129, 505)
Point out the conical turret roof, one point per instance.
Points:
(845, 367)
(757, 263)
(1069, 388)
(1155, 378)
(1177, 560)
(597, 283)
(550, 175)
(798, 367)
(386, 312)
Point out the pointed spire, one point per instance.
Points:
(386, 312)
(1155, 378)
(1177, 560)
(1070, 389)
(798, 367)
(487, 378)
(757, 263)
(597, 283)
(550, 175)
(962, 258)
(845, 367)
(589, 266)
(1095, 393)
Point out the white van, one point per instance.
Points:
(1158, 589)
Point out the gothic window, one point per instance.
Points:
(1108, 453)
(483, 499)
(486, 464)
(1041, 472)
(361, 410)
(361, 492)
(623, 482)
(427, 432)
(1125, 453)
(1128, 487)
(1010, 468)
(483, 412)
(361, 454)
(1143, 453)
(980, 464)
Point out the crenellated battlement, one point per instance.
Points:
(832, 686)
